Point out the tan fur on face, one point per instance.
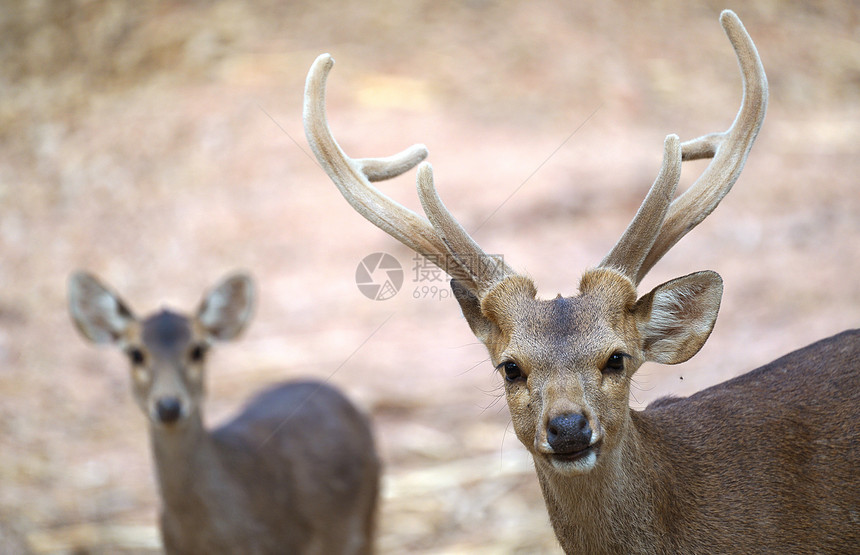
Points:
(561, 345)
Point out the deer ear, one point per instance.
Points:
(676, 318)
(226, 309)
(98, 312)
(481, 326)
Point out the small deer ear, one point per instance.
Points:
(677, 317)
(226, 309)
(98, 312)
(481, 326)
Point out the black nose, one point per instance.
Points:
(168, 409)
(568, 433)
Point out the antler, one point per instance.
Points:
(659, 225)
(444, 241)
(481, 270)
(353, 176)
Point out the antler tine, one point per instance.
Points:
(353, 176)
(629, 252)
(482, 270)
(729, 149)
(380, 169)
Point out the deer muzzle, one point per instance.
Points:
(570, 446)
(168, 409)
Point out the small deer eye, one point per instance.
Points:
(197, 353)
(512, 371)
(136, 355)
(615, 363)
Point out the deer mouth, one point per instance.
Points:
(576, 455)
(576, 461)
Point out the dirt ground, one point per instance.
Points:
(160, 145)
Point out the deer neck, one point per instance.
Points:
(613, 507)
(187, 464)
(199, 492)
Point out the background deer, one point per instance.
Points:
(294, 472)
(766, 462)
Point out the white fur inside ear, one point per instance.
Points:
(213, 309)
(226, 309)
(99, 313)
(682, 314)
(668, 311)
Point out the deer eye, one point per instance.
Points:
(615, 363)
(136, 356)
(198, 353)
(512, 371)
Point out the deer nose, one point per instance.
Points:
(168, 409)
(568, 433)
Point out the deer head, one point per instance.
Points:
(568, 362)
(167, 350)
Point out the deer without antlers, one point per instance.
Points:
(295, 472)
(766, 462)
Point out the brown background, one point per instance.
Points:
(161, 145)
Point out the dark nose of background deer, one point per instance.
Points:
(168, 409)
(568, 433)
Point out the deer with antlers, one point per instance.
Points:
(765, 462)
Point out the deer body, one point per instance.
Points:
(763, 463)
(294, 472)
(240, 490)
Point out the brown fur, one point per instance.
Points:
(762, 463)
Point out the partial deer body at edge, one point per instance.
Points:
(295, 471)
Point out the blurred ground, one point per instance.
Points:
(160, 145)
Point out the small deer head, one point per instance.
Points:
(567, 363)
(167, 350)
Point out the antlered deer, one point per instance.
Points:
(295, 472)
(766, 462)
